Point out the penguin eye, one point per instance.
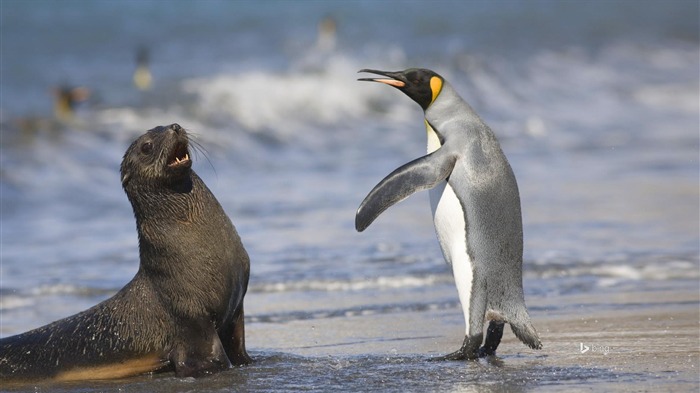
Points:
(147, 148)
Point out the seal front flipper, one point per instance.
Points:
(199, 352)
(233, 339)
(420, 174)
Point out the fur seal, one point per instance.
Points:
(476, 210)
(183, 309)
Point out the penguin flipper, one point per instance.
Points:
(420, 174)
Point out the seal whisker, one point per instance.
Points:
(198, 148)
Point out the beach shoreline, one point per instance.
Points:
(610, 339)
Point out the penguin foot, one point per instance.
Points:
(459, 355)
(485, 352)
(456, 356)
(469, 350)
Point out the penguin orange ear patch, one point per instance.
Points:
(435, 87)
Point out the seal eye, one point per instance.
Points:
(147, 148)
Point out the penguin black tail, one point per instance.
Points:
(526, 333)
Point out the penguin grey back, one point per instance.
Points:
(465, 156)
(483, 178)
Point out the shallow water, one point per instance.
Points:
(640, 337)
(599, 122)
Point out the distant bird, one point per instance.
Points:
(65, 100)
(326, 38)
(142, 75)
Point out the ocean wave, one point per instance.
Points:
(549, 96)
(11, 301)
(602, 271)
(26, 297)
(612, 269)
(284, 317)
(285, 103)
(353, 284)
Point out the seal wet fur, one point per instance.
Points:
(182, 311)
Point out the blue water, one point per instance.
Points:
(596, 105)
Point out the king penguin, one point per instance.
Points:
(142, 75)
(476, 210)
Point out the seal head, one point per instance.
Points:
(167, 166)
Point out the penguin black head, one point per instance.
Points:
(422, 85)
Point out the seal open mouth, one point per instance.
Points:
(180, 156)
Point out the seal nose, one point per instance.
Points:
(175, 127)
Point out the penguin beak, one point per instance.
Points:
(396, 79)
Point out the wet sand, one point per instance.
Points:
(643, 339)
(641, 336)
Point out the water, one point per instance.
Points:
(596, 108)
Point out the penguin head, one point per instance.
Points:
(421, 85)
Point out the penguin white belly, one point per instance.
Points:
(450, 226)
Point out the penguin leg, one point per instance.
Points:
(473, 338)
(494, 333)
(474, 313)
(233, 339)
(198, 351)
